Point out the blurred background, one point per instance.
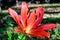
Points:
(9, 3)
(7, 24)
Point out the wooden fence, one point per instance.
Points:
(51, 10)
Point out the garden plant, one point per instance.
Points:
(30, 23)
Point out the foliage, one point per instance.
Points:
(55, 33)
(6, 29)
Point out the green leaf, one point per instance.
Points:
(56, 31)
(22, 37)
(53, 36)
(9, 34)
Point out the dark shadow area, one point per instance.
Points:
(5, 22)
(52, 12)
(8, 3)
(51, 20)
(35, 38)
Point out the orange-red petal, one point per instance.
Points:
(35, 18)
(40, 33)
(24, 12)
(39, 13)
(47, 26)
(19, 30)
(31, 18)
(15, 16)
(44, 27)
(30, 21)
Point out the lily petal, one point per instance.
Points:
(15, 16)
(31, 18)
(40, 33)
(24, 11)
(19, 30)
(47, 26)
(44, 27)
(31, 21)
(35, 18)
(39, 13)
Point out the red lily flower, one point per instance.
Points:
(31, 23)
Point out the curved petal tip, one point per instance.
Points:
(24, 3)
